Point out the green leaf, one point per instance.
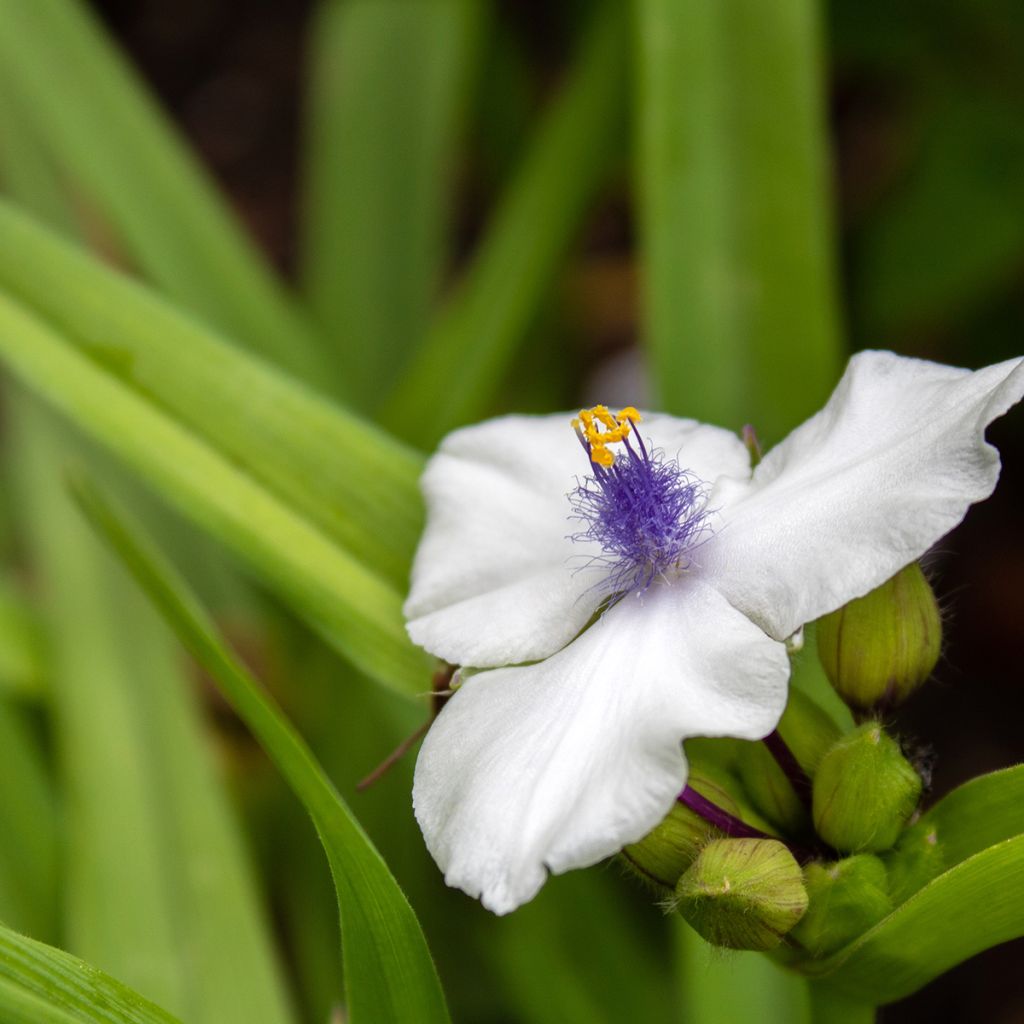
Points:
(969, 908)
(353, 608)
(456, 374)
(350, 479)
(739, 270)
(63, 989)
(96, 118)
(389, 974)
(979, 814)
(388, 88)
(158, 888)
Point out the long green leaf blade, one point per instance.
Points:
(354, 608)
(390, 976)
(350, 479)
(454, 376)
(739, 294)
(388, 88)
(158, 889)
(59, 981)
(977, 904)
(102, 127)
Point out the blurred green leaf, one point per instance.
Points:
(158, 889)
(738, 258)
(21, 658)
(63, 989)
(389, 84)
(578, 143)
(577, 952)
(349, 478)
(977, 904)
(353, 607)
(389, 974)
(108, 134)
(28, 812)
(713, 989)
(951, 234)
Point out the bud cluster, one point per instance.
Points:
(817, 843)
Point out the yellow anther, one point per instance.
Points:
(599, 428)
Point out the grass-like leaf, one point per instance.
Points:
(352, 480)
(158, 888)
(389, 974)
(354, 608)
(454, 376)
(388, 89)
(738, 264)
(63, 989)
(977, 904)
(102, 127)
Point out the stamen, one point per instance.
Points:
(644, 511)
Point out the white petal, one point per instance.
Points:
(556, 765)
(863, 488)
(496, 579)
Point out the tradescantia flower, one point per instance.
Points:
(614, 599)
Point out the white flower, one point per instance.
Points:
(569, 745)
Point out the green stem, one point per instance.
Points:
(831, 1006)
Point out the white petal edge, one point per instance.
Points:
(557, 765)
(496, 580)
(863, 488)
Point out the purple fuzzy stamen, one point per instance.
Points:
(646, 513)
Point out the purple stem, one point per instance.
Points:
(790, 766)
(722, 820)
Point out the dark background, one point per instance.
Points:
(927, 121)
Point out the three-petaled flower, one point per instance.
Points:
(653, 605)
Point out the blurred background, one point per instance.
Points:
(924, 104)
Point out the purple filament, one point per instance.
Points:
(786, 760)
(725, 822)
(644, 511)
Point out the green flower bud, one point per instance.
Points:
(808, 732)
(846, 898)
(878, 649)
(671, 847)
(917, 859)
(864, 792)
(743, 893)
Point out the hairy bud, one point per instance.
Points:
(743, 893)
(878, 649)
(864, 792)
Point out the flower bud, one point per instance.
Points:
(809, 732)
(671, 847)
(743, 893)
(864, 792)
(878, 649)
(846, 898)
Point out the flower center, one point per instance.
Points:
(644, 511)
